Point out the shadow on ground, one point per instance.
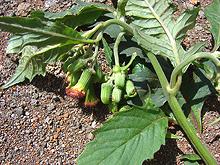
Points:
(162, 158)
(50, 83)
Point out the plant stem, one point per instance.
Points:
(178, 69)
(103, 25)
(134, 55)
(117, 42)
(121, 8)
(179, 115)
(191, 134)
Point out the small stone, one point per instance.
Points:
(65, 115)
(51, 107)
(47, 119)
(90, 136)
(52, 151)
(28, 131)
(27, 113)
(19, 111)
(93, 124)
(12, 105)
(56, 98)
(34, 102)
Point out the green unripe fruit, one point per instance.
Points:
(130, 88)
(116, 95)
(120, 80)
(106, 91)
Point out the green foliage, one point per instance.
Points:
(212, 12)
(125, 139)
(190, 159)
(156, 30)
(34, 62)
(148, 71)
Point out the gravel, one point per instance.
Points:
(39, 124)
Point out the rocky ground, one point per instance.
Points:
(39, 124)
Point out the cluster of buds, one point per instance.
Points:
(117, 86)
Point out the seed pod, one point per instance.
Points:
(106, 91)
(120, 80)
(91, 100)
(116, 95)
(130, 89)
(79, 90)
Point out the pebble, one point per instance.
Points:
(56, 98)
(90, 136)
(19, 111)
(34, 102)
(93, 124)
(51, 107)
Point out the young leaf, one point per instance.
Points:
(212, 12)
(33, 63)
(108, 52)
(129, 138)
(162, 34)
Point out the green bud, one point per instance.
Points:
(130, 89)
(106, 91)
(116, 95)
(119, 80)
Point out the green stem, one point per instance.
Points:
(117, 42)
(134, 55)
(179, 115)
(121, 8)
(103, 25)
(191, 134)
(178, 69)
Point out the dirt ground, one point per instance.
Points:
(39, 124)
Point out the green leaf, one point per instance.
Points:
(187, 162)
(142, 73)
(158, 97)
(193, 50)
(34, 63)
(195, 89)
(212, 12)
(129, 46)
(156, 30)
(33, 31)
(192, 157)
(108, 52)
(82, 13)
(129, 137)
